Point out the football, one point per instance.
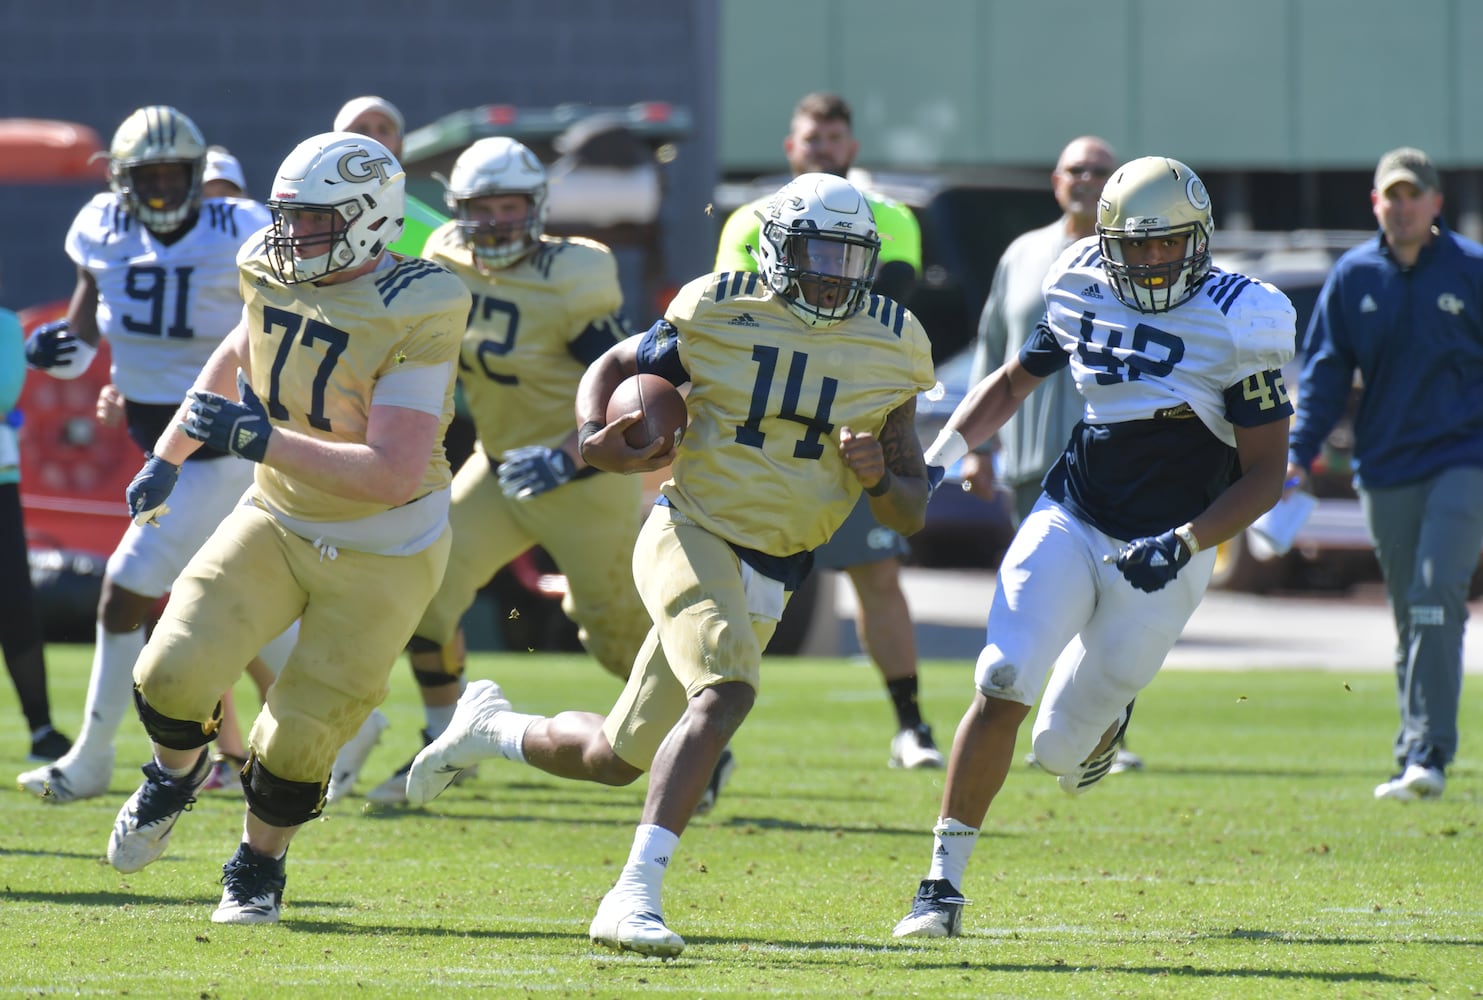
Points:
(660, 402)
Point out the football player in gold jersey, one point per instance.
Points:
(544, 309)
(803, 390)
(338, 382)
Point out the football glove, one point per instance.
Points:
(1150, 563)
(530, 471)
(149, 488)
(53, 348)
(240, 428)
(935, 475)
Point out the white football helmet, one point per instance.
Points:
(154, 135)
(818, 248)
(495, 166)
(339, 199)
(1148, 199)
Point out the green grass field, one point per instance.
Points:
(1248, 860)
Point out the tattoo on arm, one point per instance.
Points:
(900, 445)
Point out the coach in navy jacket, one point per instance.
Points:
(1406, 310)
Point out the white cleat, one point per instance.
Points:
(1417, 781)
(914, 747)
(73, 778)
(469, 738)
(352, 756)
(141, 831)
(254, 889)
(622, 927)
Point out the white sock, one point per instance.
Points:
(509, 734)
(643, 875)
(952, 845)
(110, 689)
(438, 717)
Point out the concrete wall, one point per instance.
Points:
(1258, 85)
(259, 77)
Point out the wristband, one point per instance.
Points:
(584, 432)
(881, 486)
(947, 449)
(1186, 534)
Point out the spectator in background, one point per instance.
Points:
(1032, 440)
(1406, 310)
(821, 139)
(20, 623)
(222, 177)
(379, 118)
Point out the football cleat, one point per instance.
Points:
(936, 911)
(719, 777)
(1125, 760)
(141, 832)
(75, 777)
(1098, 767)
(352, 756)
(1417, 781)
(913, 747)
(47, 745)
(622, 925)
(254, 889)
(469, 738)
(393, 791)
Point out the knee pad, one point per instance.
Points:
(450, 662)
(177, 734)
(278, 801)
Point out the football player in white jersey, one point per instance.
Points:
(544, 309)
(157, 276)
(1183, 443)
(338, 385)
(803, 389)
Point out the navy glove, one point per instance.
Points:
(240, 428)
(935, 475)
(530, 471)
(149, 488)
(1150, 563)
(53, 348)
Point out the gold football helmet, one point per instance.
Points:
(1153, 198)
(158, 134)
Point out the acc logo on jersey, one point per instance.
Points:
(361, 165)
(1450, 304)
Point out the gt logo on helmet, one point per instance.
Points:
(362, 165)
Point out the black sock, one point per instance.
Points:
(28, 673)
(903, 691)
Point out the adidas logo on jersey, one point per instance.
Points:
(1092, 292)
(1367, 304)
(745, 319)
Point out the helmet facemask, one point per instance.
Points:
(1151, 200)
(158, 137)
(818, 248)
(493, 167)
(338, 202)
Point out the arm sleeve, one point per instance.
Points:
(1042, 355)
(421, 388)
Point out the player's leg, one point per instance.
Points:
(1045, 594)
(21, 639)
(361, 609)
(140, 570)
(589, 527)
(488, 536)
(200, 647)
(713, 616)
